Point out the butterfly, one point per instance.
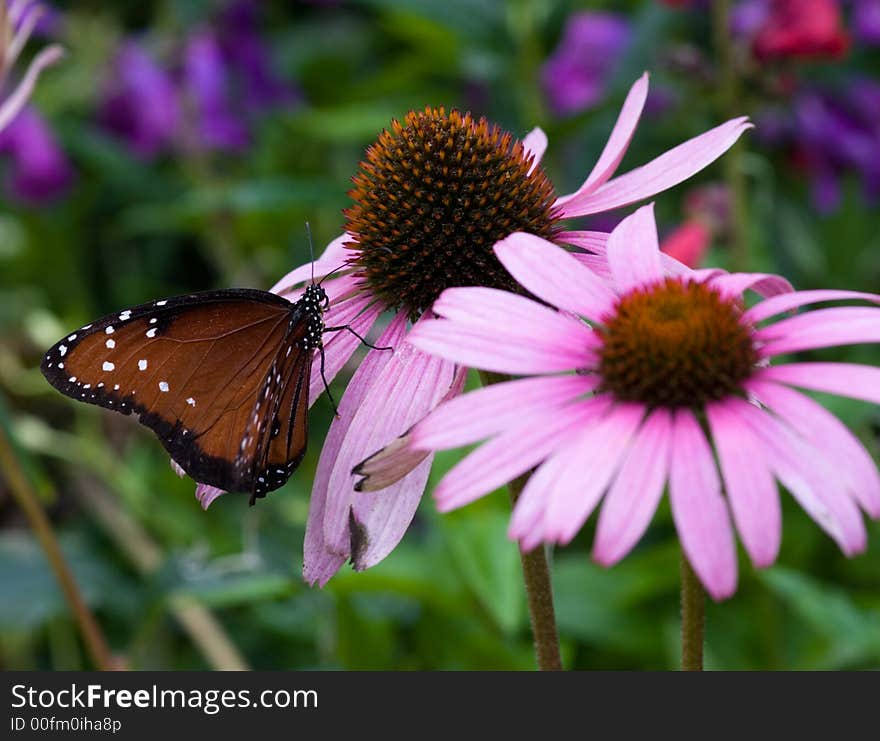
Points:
(221, 377)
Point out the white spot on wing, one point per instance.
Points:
(161, 303)
(153, 320)
(71, 338)
(151, 332)
(116, 387)
(60, 365)
(142, 364)
(191, 401)
(125, 315)
(63, 350)
(108, 366)
(163, 385)
(72, 379)
(111, 343)
(109, 330)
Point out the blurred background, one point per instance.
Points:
(182, 145)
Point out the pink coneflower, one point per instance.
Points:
(433, 196)
(669, 373)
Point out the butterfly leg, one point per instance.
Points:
(327, 386)
(347, 327)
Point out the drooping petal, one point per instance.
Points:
(554, 275)
(826, 433)
(667, 170)
(340, 345)
(390, 464)
(335, 255)
(786, 302)
(499, 331)
(846, 379)
(636, 491)
(734, 285)
(534, 145)
(320, 562)
(513, 453)
(821, 328)
(617, 143)
(809, 478)
(493, 409)
(381, 518)
(409, 385)
(751, 490)
(571, 482)
(634, 251)
(700, 512)
(206, 494)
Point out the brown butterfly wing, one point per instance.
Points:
(193, 369)
(283, 435)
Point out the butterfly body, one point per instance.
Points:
(221, 377)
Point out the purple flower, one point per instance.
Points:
(575, 76)
(248, 60)
(866, 21)
(39, 170)
(206, 86)
(140, 102)
(830, 134)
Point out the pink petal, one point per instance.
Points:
(751, 490)
(592, 241)
(493, 409)
(846, 379)
(597, 243)
(409, 385)
(809, 478)
(177, 468)
(500, 331)
(206, 494)
(513, 453)
(636, 491)
(382, 517)
(821, 328)
(554, 275)
(571, 482)
(667, 170)
(341, 345)
(828, 434)
(734, 285)
(320, 561)
(334, 256)
(534, 145)
(634, 252)
(390, 464)
(597, 264)
(786, 302)
(617, 143)
(700, 512)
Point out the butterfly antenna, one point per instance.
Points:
(311, 250)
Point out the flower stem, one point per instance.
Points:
(33, 510)
(693, 618)
(536, 575)
(730, 104)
